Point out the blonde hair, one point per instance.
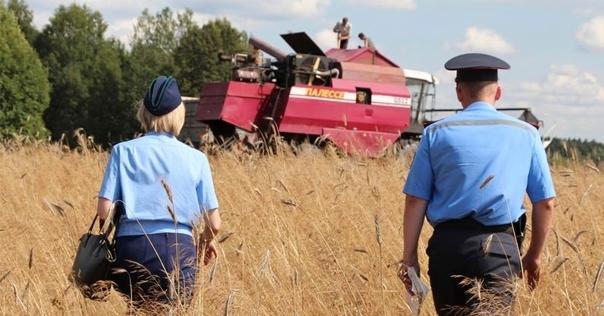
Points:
(169, 123)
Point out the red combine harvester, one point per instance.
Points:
(357, 99)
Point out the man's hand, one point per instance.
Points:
(404, 275)
(541, 220)
(208, 249)
(413, 220)
(532, 266)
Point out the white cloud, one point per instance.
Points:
(390, 4)
(591, 34)
(122, 30)
(267, 10)
(569, 98)
(299, 8)
(326, 39)
(482, 40)
(570, 85)
(445, 76)
(202, 19)
(121, 15)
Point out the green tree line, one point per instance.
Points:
(575, 149)
(71, 75)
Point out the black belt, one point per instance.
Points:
(472, 224)
(515, 229)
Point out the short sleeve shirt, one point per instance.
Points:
(479, 163)
(156, 172)
(343, 29)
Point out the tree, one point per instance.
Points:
(162, 31)
(576, 149)
(197, 55)
(24, 87)
(110, 117)
(84, 71)
(154, 41)
(25, 18)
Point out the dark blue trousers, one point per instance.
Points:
(157, 268)
(457, 254)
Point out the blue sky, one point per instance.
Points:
(555, 48)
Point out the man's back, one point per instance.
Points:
(480, 164)
(369, 43)
(468, 178)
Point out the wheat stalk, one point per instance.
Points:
(597, 278)
(559, 264)
(585, 194)
(570, 244)
(378, 237)
(31, 258)
(5, 275)
(228, 303)
(486, 181)
(592, 168)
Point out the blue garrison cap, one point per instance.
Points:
(163, 96)
(476, 67)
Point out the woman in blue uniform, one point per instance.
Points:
(165, 188)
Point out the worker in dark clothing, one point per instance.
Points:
(468, 179)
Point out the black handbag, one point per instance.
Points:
(92, 263)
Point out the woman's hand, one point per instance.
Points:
(208, 249)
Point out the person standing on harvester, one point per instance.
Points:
(344, 29)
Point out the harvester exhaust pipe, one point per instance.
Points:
(266, 47)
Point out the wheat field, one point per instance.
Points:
(308, 234)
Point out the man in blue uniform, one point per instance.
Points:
(468, 179)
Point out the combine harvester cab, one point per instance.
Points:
(357, 98)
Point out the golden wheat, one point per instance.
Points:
(302, 234)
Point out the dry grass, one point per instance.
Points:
(302, 235)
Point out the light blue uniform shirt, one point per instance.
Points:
(458, 155)
(134, 175)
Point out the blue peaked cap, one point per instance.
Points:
(162, 96)
(476, 67)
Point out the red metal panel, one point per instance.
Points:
(360, 55)
(237, 103)
(311, 116)
(373, 73)
(364, 143)
(211, 101)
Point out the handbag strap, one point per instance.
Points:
(111, 224)
(93, 221)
